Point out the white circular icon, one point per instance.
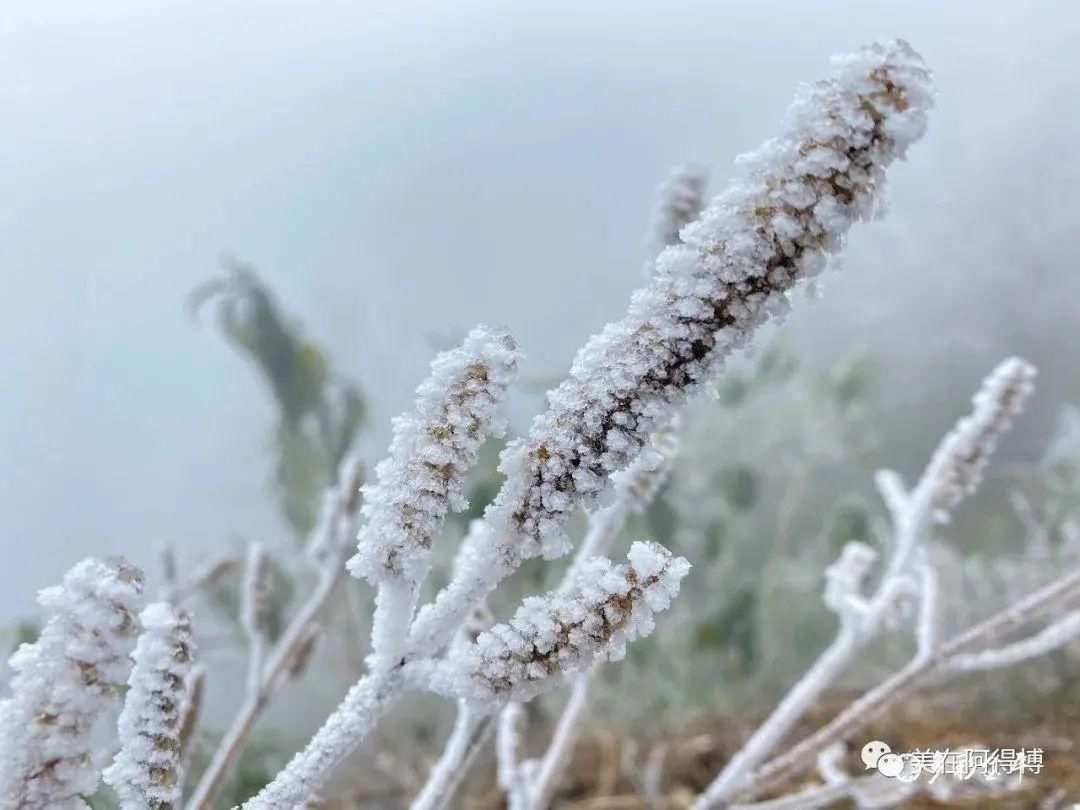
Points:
(872, 752)
(890, 765)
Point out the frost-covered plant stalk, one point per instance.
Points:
(423, 478)
(565, 631)
(146, 773)
(56, 726)
(730, 273)
(327, 549)
(954, 471)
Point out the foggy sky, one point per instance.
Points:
(401, 171)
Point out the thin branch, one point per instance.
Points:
(917, 674)
(331, 548)
(1054, 635)
(559, 751)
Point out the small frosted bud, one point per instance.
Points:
(956, 469)
(146, 773)
(434, 447)
(604, 608)
(56, 728)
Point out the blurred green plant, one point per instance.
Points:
(320, 412)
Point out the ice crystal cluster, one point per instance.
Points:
(146, 771)
(730, 273)
(65, 690)
(567, 630)
(679, 200)
(457, 410)
(959, 461)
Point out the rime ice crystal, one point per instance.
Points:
(457, 409)
(730, 273)
(565, 631)
(146, 771)
(65, 688)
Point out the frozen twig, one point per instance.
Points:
(469, 725)
(1054, 635)
(328, 549)
(512, 776)
(550, 768)
(920, 672)
(954, 471)
(253, 612)
(177, 590)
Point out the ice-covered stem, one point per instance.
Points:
(954, 470)
(327, 548)
(956, 466)
(176, 590)
(423, 477)
(146, 773)
(253, 610)
(566, 630)
(469, 725)
(730, 273)
(192, 709)
(1054, 635)
(922, 671)
(680, 199)
(65, 688)
(509, 760)
(550, 768)
(363, 706)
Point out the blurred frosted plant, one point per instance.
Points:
(433, 449)
(959, 461)
(565, 631)
(55, 727)
(146, 772)
(679, 201)
(320, 412)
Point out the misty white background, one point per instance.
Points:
(401, 171)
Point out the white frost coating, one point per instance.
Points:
(566, 631)
(958, 463)
(731, 273)
(146, 773)
(457, 410)
(65, 688)
(679, 201)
